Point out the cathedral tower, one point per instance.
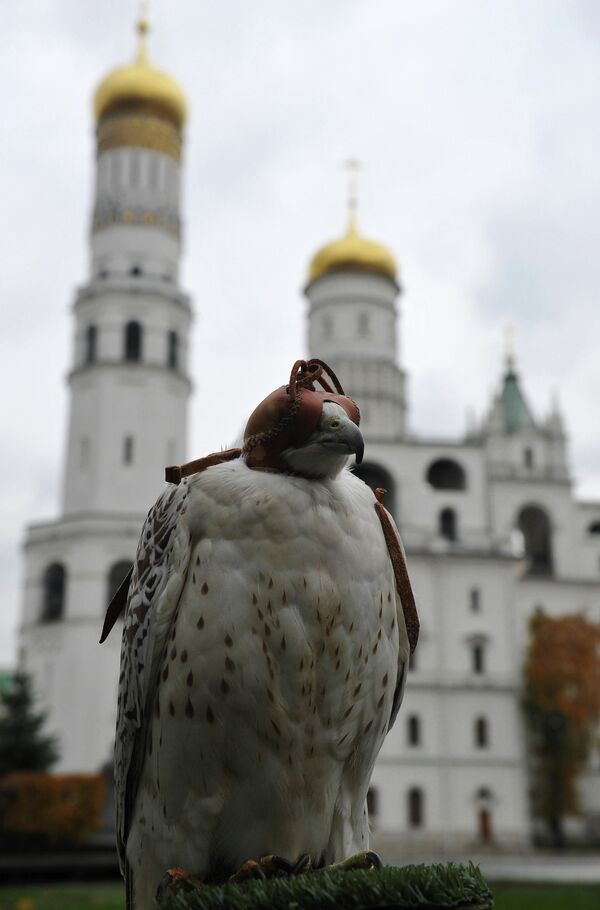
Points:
(352, 290)
(129, 391)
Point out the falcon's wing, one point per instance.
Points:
(157, 580)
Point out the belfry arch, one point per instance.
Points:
(534, 524)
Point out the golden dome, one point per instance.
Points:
(352, 251)
(140, 86)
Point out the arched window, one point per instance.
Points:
(116, 574)
(481, 730)
(173, 350)
(534, 523)
(447, 524)
(55, 585)
(135, 271)
(528, 459)
(475, 600)
(91, 336)
(372, 802)
(375, 476)
(415, 801)
(133, 341)
(594, 527)
(128, 448)
(446, 474)
(413, 730)
(478, 657)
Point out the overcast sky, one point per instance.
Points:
(479, 127)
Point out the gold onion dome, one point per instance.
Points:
(352, 251)
(140, 86)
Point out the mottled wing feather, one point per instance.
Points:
(158, 575)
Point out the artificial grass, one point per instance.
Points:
(391, 888)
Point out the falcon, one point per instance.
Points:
(268, 624)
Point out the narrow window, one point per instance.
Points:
(528, 457)
(415, 807)
(447, 524)
(133, 341)
(128, 450)
(153, 172)
(363, 324)
(91, 336)
(134, 170)
(475, 600)
(173, 350)
(55, 583)
(481, 733)
(413, 727)
(478, 657)
(135, 270)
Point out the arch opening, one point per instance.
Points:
(534, 524)
(446, 474)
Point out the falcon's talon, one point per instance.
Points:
(366, 859)
(176, 881)
(281, 864)
(375, 860)
(249, 869)
(302, 865)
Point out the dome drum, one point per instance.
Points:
(140, 128)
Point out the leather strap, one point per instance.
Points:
(403, 585)
(175, 473)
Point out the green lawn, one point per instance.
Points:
(63, 897)
(546, 897)
(110, 897)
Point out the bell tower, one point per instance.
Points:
(129, 383)
(352, 291)
(129, 389)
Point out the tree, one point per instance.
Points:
(562, 704)
(23, 747)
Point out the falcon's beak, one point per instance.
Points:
(352, 437)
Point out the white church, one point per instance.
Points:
(489, 520)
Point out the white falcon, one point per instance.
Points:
(264, 651)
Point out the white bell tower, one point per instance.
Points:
(352, 291)
(129, 391)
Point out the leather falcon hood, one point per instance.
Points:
(291, 414)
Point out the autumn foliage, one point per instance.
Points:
(562, 704)
(57, 807)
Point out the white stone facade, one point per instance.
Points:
(478, 575)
